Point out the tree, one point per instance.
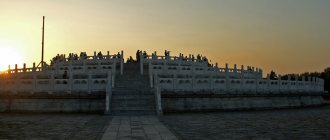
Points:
(325, 75)
(272, 75)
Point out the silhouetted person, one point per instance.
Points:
(99, 55)
(138, 55)
(198, 57)
(205, 59)
(145, 54)
(75, 57)
(167, 53)
(118, 55)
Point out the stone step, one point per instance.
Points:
(132, 82)
(132, 94)
(137, 91)
(132, 106)
(133, 73)
(135, 94)
(132, 97)
(120, 106)
(130, 86)
(124, 102)
(147, 108)
(131, 79)
(133, 112)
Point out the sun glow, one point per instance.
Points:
(9, 55)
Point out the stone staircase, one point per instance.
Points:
(132, 94)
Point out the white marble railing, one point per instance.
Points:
(193, 71)
(89, 63)
(187, 74)
(230, 85)
(48, 83)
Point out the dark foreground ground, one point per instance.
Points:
(303, 123)
(52, 126)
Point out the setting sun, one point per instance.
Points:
(9, 55)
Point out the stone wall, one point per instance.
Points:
(174, 103)
(53, 103)
(171, 102)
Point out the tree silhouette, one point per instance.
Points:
(272, 75)
(325, 75)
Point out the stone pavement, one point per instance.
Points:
(283, 124)
(52, 126)
(302, 123)
(137, 128)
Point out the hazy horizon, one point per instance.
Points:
(284, 36)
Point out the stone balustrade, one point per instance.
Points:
(83, 74)
(80, 65)
(185, 74)
(230, 85)
(175, 73)
(43, 82)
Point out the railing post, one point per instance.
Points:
(159, 101)
(52, 81)
(34, 81)
(84, 65)
(175, 81)
(141, 63)
(114, 75)
(114, 72)
(16, 69)
(268, 83)
(210, 81)
(108, 93)
(289, 83)
(296, 83)
(108, 55)
(302, 88)
(151, 76)
(192, 82)
(94, 56)
(256, 81)
(24, 67)
(322, 85)
(315, 84)
(227, 78)
(279, 83)
(70, 81)
(242, 78)
(9, 69)
(122, 63)
(309, 83)
(89, 83)
(34, 67)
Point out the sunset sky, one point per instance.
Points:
(287, 36)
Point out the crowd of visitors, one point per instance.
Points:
(82, 56)
(139, 54)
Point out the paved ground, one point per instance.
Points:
(305, 123)
(52, 126)
(137, 127)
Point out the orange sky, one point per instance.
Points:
(285, 36)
